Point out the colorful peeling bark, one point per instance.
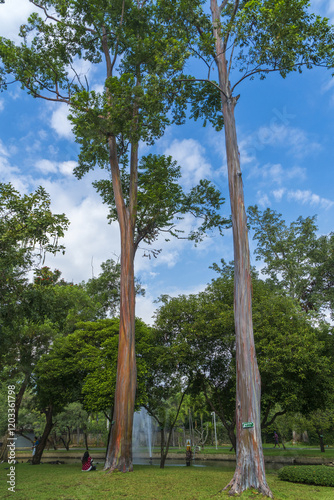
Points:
(119, 453)
(250, 471)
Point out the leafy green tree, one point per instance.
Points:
(293, 356)
(28, 231)
(46, 311)
(81, 367)
(198, 332)
(141, 54)
(297, 261)
(245, 39)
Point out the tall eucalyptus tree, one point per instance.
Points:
(245, 39)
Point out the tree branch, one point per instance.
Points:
(277, 414)
(117, 39)
(58, 20)
(222, 6)
(202, 80)
(267, 70)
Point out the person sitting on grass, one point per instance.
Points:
(87, 462)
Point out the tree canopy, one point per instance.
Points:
(199, 337)
(297, 260)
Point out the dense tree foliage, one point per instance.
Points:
(28, 231)
(294, 361)
(297, 260)
(82, 367)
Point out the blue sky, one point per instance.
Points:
(285, 133)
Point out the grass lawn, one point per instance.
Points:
(67, 482)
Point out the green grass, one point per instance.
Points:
(67, 482)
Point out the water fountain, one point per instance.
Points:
(142, 435)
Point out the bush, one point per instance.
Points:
(320, 475)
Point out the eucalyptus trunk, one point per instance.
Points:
(250, 470)
(119, 452)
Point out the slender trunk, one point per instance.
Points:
(321, 441)
(250, 471)
(119, 453)
(228, 426)
(36, 459)
(19, 396)
(162, 447)
(165, 449)
(231, 435)
(164, 452)
(86, 440)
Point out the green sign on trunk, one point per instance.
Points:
(247, 425)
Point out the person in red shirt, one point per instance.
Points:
(87, 462)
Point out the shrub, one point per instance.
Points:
(320, 475)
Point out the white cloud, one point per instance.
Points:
(246, 155)
(53, 167)
(90, 240)
(145, 308)
(67, 167)
(8, 172)
(276, 174)
(190, 155)
(2, 105)
(262, 199)
(294, 139)
(99, 88)
(60, 123)
(13, 13)
(46, 166)
(278, 194)
(307, 197)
